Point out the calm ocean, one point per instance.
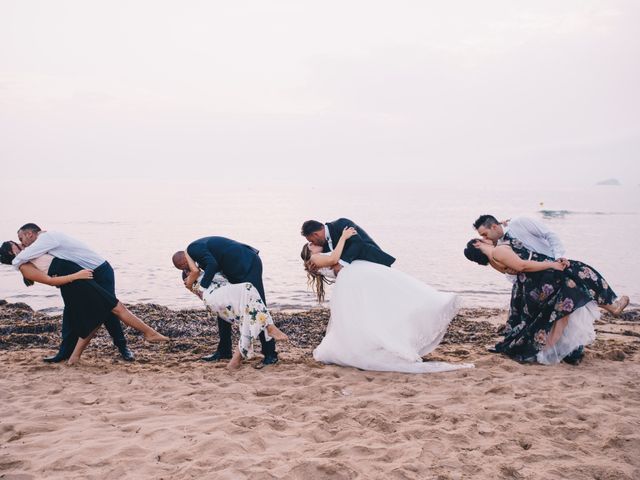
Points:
(138, 225)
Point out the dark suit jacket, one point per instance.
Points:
(358, 247)
(219, 254)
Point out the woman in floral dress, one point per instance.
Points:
(553, 304)
(240, 304)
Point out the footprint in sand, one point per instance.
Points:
(268, 392)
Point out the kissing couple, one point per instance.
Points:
(381, 318)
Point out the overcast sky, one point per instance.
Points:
(546, 91)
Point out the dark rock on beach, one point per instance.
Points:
(194, 333)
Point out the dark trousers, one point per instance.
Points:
(103, 275)
(254, 277)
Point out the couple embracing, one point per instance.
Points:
(381, 318)
(87, 285)
(554, 300)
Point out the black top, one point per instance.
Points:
(358, 247)
(220, 254)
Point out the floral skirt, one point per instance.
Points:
(539, 299)
(240, 304)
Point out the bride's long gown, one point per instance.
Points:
(383, 319)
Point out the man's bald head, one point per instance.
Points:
(180, 260)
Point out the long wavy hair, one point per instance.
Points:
(316, 281)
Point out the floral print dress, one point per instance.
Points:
(538, 299)
(240, 304)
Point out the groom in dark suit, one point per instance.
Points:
(358, 247)
(239, 263)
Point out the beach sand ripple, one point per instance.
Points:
(169, 415)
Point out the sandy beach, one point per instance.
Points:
(170, 416)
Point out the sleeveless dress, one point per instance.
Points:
(385, 320)
(87, 305)
(237, 303)
(538, 299)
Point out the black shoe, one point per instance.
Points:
(55, 358)
(215, 356)
(126, 354)
(575, 357)
(270, 360)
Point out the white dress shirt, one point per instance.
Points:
(61, 246)
(327, 235)
(535, 236)
(330, 244)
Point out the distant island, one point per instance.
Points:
(611, 181)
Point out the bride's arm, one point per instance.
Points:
(194, 272)
(320, 260)
(30, 272)
(507, 257)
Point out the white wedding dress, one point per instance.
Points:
(383, 319)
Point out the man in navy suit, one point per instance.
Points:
(239, 263)
(358, 247)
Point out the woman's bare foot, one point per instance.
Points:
(277, 334)
(155, 337)
(235, 361)
(619, 305)
(73, 360)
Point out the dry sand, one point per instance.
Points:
(171, 416)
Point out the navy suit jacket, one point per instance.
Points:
(220, 254)
(358, 247)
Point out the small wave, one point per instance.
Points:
(293, 306)
(549, 214)
(51, 310)
(480, 292)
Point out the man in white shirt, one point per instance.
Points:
(534, 235)
(36, 243)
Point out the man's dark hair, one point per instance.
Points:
(474, 254)
(485, 221)
(310, 226)
(6, 253)
(30, 226)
